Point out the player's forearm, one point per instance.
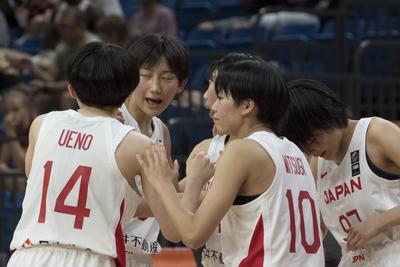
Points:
(190, 198)
(183, 220)
(389, 218)
(158, 211)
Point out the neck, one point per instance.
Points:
(249, 128)
(93, 112)
(142, 119)
(347, 134)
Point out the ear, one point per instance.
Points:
(181, 86)
(71, 92)
(248, 106)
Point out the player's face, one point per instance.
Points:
(226, 115)
(156, 89)
(324, 143)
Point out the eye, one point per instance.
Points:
(168, 78)
(145, 75)
(310, 141)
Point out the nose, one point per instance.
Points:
(213, 108)
(206, 100)
(155, 86)
(312, 152)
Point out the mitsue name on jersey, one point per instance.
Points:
(294, 165)
(75, 140)
(342, 190)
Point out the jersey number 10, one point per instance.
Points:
(314, 246)
(79, 211)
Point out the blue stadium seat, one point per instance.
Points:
(242, 39)
(191, 14)
(231, 8)
(379, 59)
(302, 32)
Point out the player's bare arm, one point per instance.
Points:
(129, 166)
(202, 146)
(383, 140)
(33, 134)
(199, 170)
(234, 167)
(132, 144)
(167, 144)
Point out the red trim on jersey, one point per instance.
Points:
(255, 257)
(119, 241)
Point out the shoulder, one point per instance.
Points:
(202, 146)
(135, 143)
(247, 151)
(35, 128)
(164, 129)
(379, 130)
(37, 122)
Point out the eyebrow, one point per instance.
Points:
(163, 71)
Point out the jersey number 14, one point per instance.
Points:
(80, 211)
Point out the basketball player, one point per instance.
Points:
(164, 69)
(79, 165)
(212, 252)
(357, 168)
(262, 190)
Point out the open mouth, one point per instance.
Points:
(153, 101)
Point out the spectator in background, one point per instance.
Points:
(5, 36)
(113, 29)
(153, 18)
(18, 116)
(74, 34)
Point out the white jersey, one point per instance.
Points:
(281, 227)
(76, 195)
(351, 192)
(141, 233)
(211, 255)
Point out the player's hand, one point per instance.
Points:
(156, 167)
(199, 167)
(362, 232)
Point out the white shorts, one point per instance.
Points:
(42, 256)
(138, 260)
(387, 255)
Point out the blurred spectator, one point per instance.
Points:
(73, 32)
(197, 107)
(9, 9)
(109, 7)
(113, 29)
(4, 36)
(274, 22)
(18, 116)
(153, 18)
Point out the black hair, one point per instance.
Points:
(226, 61)
(259, 81)
(103, 75)
(148, 50)
(313, 106)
